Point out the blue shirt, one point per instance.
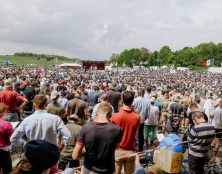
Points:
(41, 125)
(142, 107)
(139, 170)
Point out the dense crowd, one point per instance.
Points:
(60, 116)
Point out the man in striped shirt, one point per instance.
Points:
(200, 137)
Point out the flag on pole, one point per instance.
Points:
(208, 62)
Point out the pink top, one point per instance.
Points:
(6, 131)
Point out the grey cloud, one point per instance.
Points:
(94, 29)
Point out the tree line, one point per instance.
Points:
(45, 56)
(192, 57)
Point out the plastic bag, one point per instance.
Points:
(172, 139)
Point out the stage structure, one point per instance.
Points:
(98, 65)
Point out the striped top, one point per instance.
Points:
(200, 138)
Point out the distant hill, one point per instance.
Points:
(23, 59)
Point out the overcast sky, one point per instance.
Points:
(94, 29)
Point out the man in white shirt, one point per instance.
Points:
(40, 125)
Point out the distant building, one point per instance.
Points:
(98, 65)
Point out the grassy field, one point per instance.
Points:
(25, 60)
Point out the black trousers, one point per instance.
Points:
(196, 164)
(63, 162)
(141, 137)
(5, 162)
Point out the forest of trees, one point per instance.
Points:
(186, 57)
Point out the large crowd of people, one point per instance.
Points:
(97, 120)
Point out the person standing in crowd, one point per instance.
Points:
(217, 122)
(142, 107)
(6, 131)
(114, 97)
(100, 139)
(40, 125)
(28, 108)
(66, 153)
(200, 138)
(62, 99)
(194, 108)
(176, 114)
(208, 107)
(54, 107)
(93, 98)
(151, 122)
(148, 91)
(78, 107)
(129, 121)
(104, 98)
(165, 112)
(10, 99)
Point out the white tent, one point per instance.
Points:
(164, 67)
(182, 68)
(215, 69)
(70, 65)
(154, 67)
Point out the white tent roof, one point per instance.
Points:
(70, 64)
(182, 68)
(215, 69)
(164, 67)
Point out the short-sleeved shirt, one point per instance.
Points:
(217, 119)
(10, 99)
(6, 131)
(114, 98)
(93, 98)
(74, 129)
(154, 116)
(100, 140)
(129, 121)
(77, 106)
(56, 109)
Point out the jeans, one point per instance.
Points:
(5, 162)
(196, 164)
(11, 117)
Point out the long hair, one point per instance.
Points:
(25, 167)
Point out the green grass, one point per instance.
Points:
(25, 60)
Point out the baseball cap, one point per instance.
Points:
(112, 85)
(152, 99)
(74, 116)
(54, 95)
(8, 83)
(42, 154)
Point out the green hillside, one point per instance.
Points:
(23, 59)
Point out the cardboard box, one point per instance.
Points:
(168, 161)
